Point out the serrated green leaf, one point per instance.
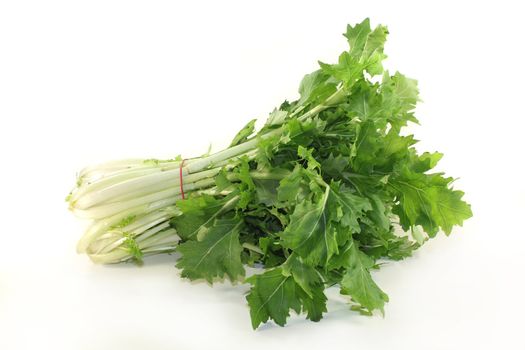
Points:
(428, 201)
(304, 275)
(315, 304)
(347, 70)
(277, 117)
(357, 281)
(266, 191)
(217, 255)
(306, 154)
(365, 149)
(367, 45)
(198, 214)
(246, 185)
(424, 162)
(294, 187)
(277, 291)
(316, 87)
(310, 233)
(353, 207)
(272, 296)
(244, 133)
(335, 166)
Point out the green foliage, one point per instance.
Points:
(293, 286)
(217, 254)
(199, 213)
(317, 202)
(357, 281)
(244, 133)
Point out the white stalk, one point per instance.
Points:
(142, 185)
(146, 234)
(167, 236)
(99, 227)
(92, 184)
(105, 210)
(110, 166)
(163, 242)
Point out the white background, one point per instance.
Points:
(87, 81)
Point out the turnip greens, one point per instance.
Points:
(315, 198)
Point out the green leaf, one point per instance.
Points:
(217, 255)
(272, 296)
(277, 117)
(367, 45)
(334, 166)
(377, 243)
(221, 180)
(311, 282)
(366, 53)
(394, 149)
(305, 276)
(266, 149)
(310, 233)
(379, 214)
(294, 188)
(365, 102)
(272, 249)
(448, 208)
(357, 281)
(306, 154)
(352, 207)
(246, 185)
(366, 147)
(293, 286)
(244, 133)
(198, 214)
(301, 132)
(316, 87)
(315, 305)
(400, 95)
(347, 70)
(425, 161)
(428, 201)
(266, 191)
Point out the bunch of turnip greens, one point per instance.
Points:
(316, 197)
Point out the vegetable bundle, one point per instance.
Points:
(315, 198)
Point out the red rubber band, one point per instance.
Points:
(180, 177)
